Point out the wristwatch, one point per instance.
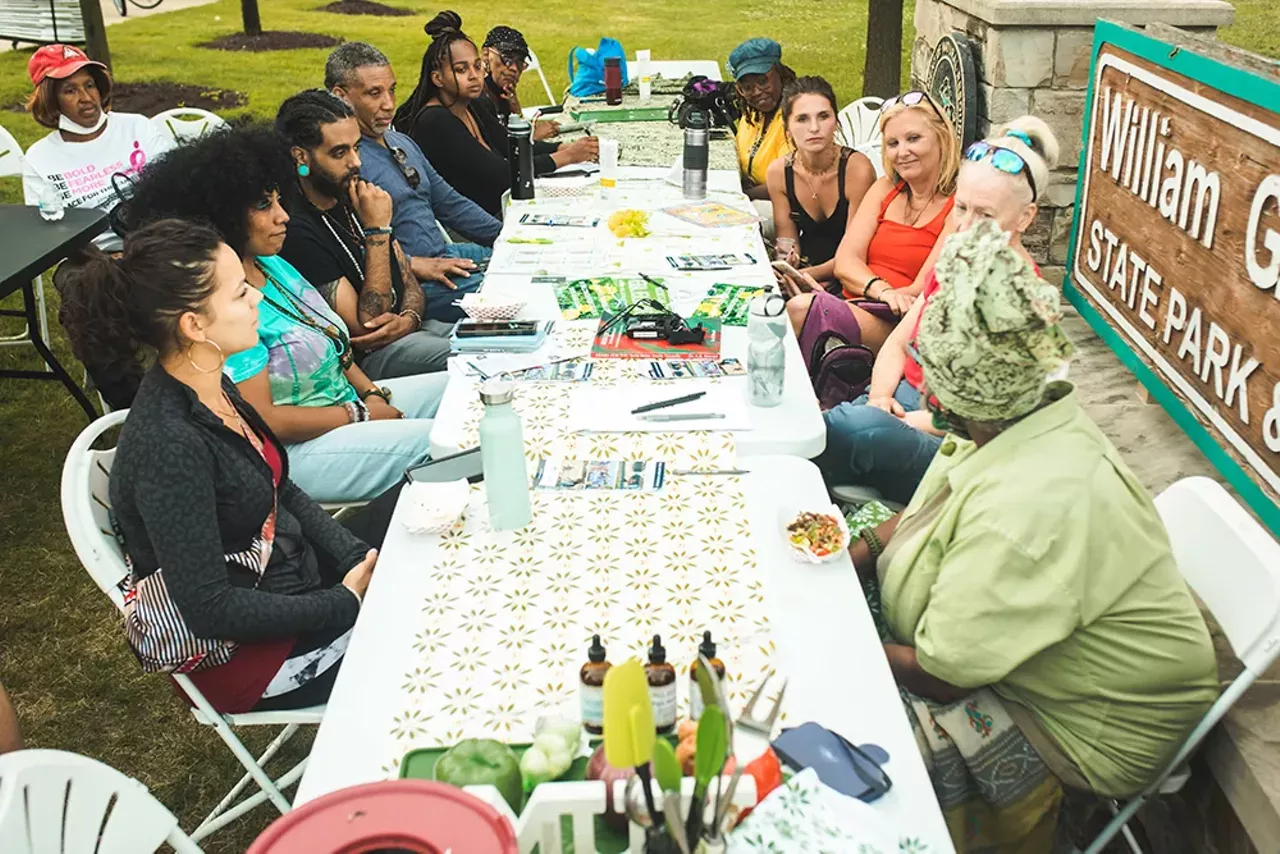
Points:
(376, 391)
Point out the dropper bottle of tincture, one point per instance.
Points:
(662, 687)
(708, 650)
(591, 689)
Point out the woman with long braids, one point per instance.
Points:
(896, 233)
(457, 127)
(816, 188)
(236, 576)
(348, 438)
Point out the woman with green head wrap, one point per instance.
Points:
(1035, 618)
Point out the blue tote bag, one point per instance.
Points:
(586, 68)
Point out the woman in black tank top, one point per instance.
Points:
(817, 173)
(819, 237)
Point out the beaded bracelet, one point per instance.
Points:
(874, 546)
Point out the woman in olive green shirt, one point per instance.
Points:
(1040, 621)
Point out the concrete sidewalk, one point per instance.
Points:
(110, 15)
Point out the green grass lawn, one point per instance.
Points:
(62, 655)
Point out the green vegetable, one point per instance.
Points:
(713, 744)
(479, 761)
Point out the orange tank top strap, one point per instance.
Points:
(889, 197)
(936, 224)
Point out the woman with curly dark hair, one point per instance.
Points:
(759, 75)
(346, 441)
(236, 576)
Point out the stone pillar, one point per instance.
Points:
(1033, 58)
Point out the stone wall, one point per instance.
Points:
(1033, 58)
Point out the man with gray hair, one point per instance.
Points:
(361, 75)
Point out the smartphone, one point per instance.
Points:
(787, 270)
(448, 469)
(486, 329)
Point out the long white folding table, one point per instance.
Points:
(826, 646)
(795, 427)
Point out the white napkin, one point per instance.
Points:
(433, 508)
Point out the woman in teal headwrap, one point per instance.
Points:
(1035, 617)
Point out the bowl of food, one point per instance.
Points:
(818, 536)
(479, 306)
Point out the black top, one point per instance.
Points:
(190, 496)
(481, 174)
(819, 240)
(325, 246)
(493, 94)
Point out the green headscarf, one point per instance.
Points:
(990, 335)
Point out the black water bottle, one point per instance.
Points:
(520, 156)
(696, 150)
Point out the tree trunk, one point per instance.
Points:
(882, 73)
(95, 32)
(253, 22)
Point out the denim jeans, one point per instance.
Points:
(440, 299)
(357, 462)
(869, 447)
(423, 352)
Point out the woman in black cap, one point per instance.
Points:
(456, 126)
(506, 58)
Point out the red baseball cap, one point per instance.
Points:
(58, 61)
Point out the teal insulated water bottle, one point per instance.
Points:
(506, 479)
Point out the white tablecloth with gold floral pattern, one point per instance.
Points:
(389, 694)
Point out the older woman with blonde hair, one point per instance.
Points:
(892, 241)
(885, 439)
(1035, 617)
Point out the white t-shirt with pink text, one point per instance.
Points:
(81, 171)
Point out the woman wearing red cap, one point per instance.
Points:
(88, 143)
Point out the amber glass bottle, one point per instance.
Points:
(707, 649)
(591, 689)
(662, 687)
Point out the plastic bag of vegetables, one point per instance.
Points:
(556, 742)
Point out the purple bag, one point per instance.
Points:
(830, 341)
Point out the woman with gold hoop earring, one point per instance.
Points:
(236, 576)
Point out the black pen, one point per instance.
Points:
(663, 404)
(653, 281)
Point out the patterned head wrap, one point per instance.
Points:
(507, 41)
(990, 335)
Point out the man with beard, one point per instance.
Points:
(340, 238)
(360, 75)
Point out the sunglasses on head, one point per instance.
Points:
(910, 99)
(402, 161)
(1004, 159)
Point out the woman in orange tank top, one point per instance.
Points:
(900, 224)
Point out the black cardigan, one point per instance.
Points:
(481, 174)
(186, 493)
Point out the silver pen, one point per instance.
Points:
(688, 416)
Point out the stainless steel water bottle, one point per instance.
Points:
(520, 156)
(695, 155)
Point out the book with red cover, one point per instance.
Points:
(616, 344)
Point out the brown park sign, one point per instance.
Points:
(1175, 259)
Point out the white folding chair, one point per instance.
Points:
(11, 161)
(860, 125)
(55, 802)
(534, 65)
(86, 514)
(1233, 565)
(184, 123)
